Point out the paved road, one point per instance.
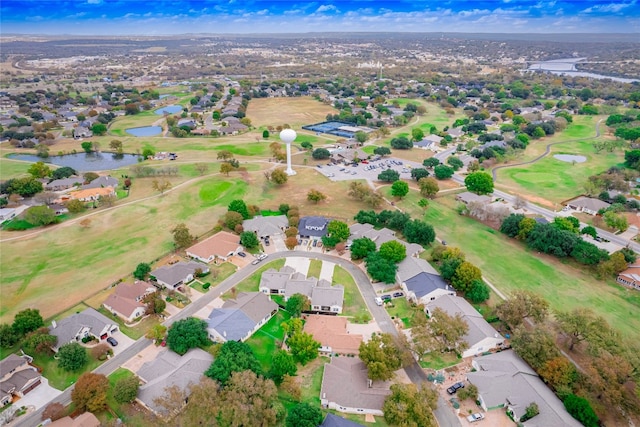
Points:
(444, 414)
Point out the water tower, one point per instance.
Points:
(288, 136)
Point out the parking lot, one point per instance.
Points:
(369, 170)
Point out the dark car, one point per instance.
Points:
(457, 386)
(386, 297)
(112, 341)
(267, 242)
(398, 294)
(242, 254)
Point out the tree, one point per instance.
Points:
(449, 331)
(478, 292)
(615, 221)
(401, 143)
(551, 240)
(389, 175)
(296, 304)
(408, 405)
(304, 415)
(536, 347)
(282, 364)
(248, 401)
(72, 357)
(320, 154)
(339, 230)
(181, 236)
(173, 399)
(522, 305)
(511, 225)
(115, 145)
(382, 151)
(479, 183)
(431, 162)
(40, 215)
(99, 129)
(303, 347)
(443, 172)
(588, 254)
(419, 173)
(279, 176)
(225, 168)
(39, 341)
(202, 168)
(8, 336)
(39, 170)
(87, 146)
(233, 356)
(361, 137)
(582, 324)
(417, 134)
(90, 392)
(291, 242)
(465, 275)
(26, 321)
(380, 269)
(399, 189)
(581, 410)
(455, 163)
(161, 186)
(157, 333)
(558, 372)
(428, 187)
(416, 231)
(141, 271)
(382, 356)
(125, 389)
(25, 187)
(315, 196)
(239, 206)
(393, 250)
(361, 248)
(232, 219)
(470, 391)
(186, 334)
(53, 411)
(265, 134)
(88, 177)
(249, 240)
(63, 172)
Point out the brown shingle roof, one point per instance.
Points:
(331, 331)
(220, 244)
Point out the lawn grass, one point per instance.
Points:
(117, 375)
(264, 342)
(510, 266)
(252, 283)
(134, 332)
(58, 377)
(314, 268)
(401, 309)
(295, 112)
(310, 377)
(13, 168)
(437, 360)
(353, 305)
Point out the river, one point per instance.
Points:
(567, 67)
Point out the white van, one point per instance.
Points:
(379, 301)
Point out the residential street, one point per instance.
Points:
(444, 414)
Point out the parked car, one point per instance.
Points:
(386, 297)
(267, 242)
(315, 243)
(457, 386)
(163, 343)
(379, 301)
(319, 166)
(255, 261)
(262, 256)
(242, 254)
(112, 341)
(398, 294)
(475, 417)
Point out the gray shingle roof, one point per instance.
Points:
(412, 266)
(425, 283)
(266, 225)
(68, 328)
(332, 420)
(315, 226)
(103, 181)
(239, 317)
(176, 273)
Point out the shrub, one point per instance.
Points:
(206, 285)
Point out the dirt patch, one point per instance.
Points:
(292, 111)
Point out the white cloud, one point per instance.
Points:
(94, 1)
(326, 8)
(608, 8)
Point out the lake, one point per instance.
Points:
(570, 158)
(145, 131)
(567, 67)
(83, 162)
(169, 109)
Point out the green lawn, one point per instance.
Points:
(13, 168)
(510, 266)
(133, 332)
(118, 408)
(251, 283)
(249, 149)
(58, 377)
(264, 342)
(402, 309)
(439, 361)
(353, 306)
(314, 268)
(214, 192)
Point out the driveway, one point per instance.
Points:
(40, 396)
(148, 354)
(123, 342)
(326, 272)
(299, 264)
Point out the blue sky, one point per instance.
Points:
(160, 17)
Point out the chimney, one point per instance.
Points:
(54, 324)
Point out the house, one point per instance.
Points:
(63, 183)
(17, 377)
(86, 419)
(238, 319)
(82, 132)
(92, 194)
(346, 388)
(324, 298)
(312, 226)
(587, 205)
(332, 420)
(6, 214)
(630, 277)
(481, 336)
(266, 226)
(172, 276)
(428, 142)
(504, 380)
(169, 369)
(220, 246)
(58, 209)
(468, 197)
(381, 236)
(331, 333)
(81, 325)
(101, 182)
(126, 301)
(420, 282)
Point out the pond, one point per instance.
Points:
(145, 131)
(570, 158)
(83, 162)
(169, 109)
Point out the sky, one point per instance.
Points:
(160, 17)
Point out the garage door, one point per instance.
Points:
(31, 387)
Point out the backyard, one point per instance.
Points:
(265, 341)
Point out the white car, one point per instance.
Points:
(379, 301)
(475, 417)
(262, 256)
